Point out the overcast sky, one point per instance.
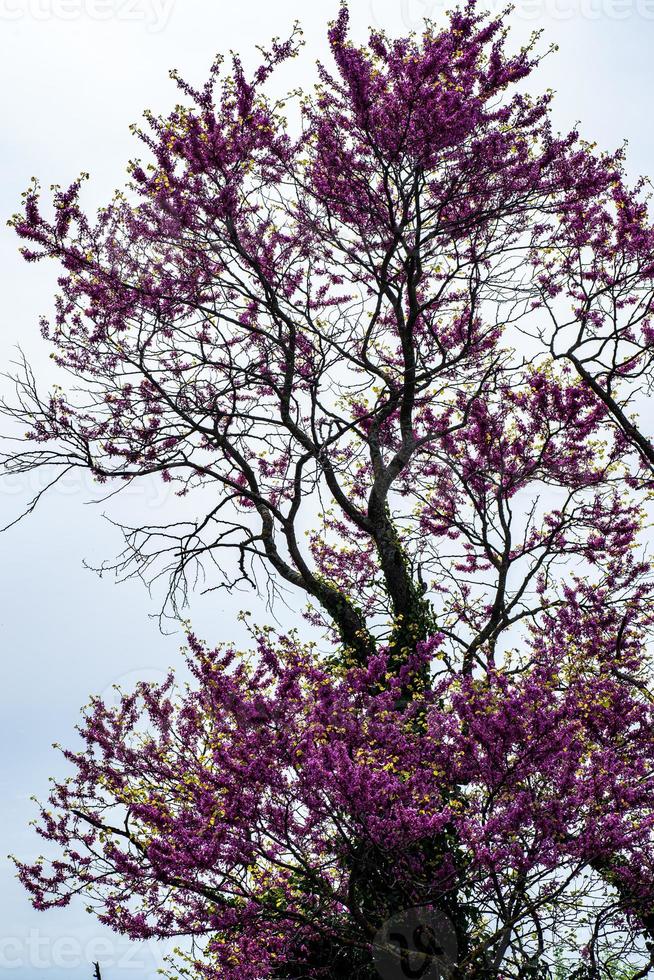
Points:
(76, 73)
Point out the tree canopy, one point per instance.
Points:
(391, 358)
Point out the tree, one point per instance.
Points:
(389, 360)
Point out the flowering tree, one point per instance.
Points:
(389, 359)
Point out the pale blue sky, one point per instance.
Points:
(75, 74)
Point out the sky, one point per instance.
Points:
(75, 74)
